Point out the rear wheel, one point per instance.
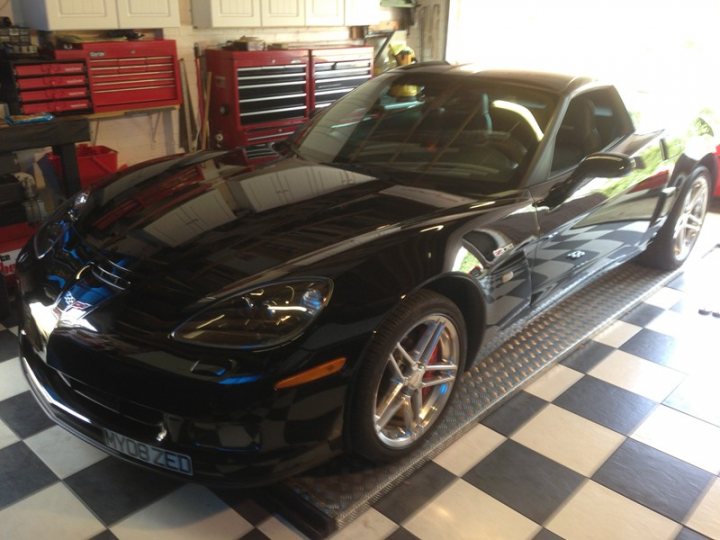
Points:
(407, 377)
(673, 244)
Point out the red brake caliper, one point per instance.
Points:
(434, 359)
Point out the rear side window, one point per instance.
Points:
(594, 121)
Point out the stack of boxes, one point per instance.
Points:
(16, 40)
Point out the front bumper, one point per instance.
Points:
(266, 454)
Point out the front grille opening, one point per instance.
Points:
(112, 274)
(134, 412)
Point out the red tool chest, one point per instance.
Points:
(38, 86)
(259, 97)
(129, 74)
(94, 77)
(335, 72)
(256, 96)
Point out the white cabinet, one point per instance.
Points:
(324, 12)
(226, 13)
(148, 13)
(100, 14)
(283, 12)
(273, 13)
(70, 14)
(365, 12)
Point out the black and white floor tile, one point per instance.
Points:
(620, 440)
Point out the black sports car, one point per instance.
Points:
(238, 326)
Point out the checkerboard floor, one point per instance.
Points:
(620, 440)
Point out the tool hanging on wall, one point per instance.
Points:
(200, 92)
(189, 133)
(204, 134)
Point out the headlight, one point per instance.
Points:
(264, 317)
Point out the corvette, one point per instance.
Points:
(238, 326)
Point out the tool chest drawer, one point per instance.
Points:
(48, 94)
(58, 106)
(117, 97)
(51, 82)
(57, 68)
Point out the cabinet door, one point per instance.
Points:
(365, 12)
(226, 13)
(70, 14)
(324, 12)
(283, 12)
(148, 13)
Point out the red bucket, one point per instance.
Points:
(94, 163)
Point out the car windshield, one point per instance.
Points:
(430, 124)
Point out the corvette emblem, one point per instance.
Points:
(72, 303)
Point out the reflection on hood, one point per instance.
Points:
(194, 194)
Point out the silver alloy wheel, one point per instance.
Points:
(690, 219)
(417, 381)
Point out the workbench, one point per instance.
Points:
(60, 134)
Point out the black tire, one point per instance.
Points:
(664, 252)
(4, 299)
(425, 313)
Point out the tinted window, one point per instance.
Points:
(592, 122)
(430, 124)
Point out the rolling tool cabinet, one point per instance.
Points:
(260, 97)
(336, 72)
(256, 97)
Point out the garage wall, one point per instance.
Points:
(146, 136)
(133, 136)
(428, 35)
(6, 9)
(140, 136)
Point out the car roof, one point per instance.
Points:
(558, 83)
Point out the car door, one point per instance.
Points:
(600, 220)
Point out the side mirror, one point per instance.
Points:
(604, 165)
(598, 165)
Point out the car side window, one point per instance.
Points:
(592, 122)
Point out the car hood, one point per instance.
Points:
(194, 228)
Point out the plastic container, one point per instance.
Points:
(94, 163)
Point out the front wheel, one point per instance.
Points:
(676, 239)
(407, 377)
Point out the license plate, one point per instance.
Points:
(146, 453)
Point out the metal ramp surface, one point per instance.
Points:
(329, 497)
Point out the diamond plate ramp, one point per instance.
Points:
(331, 496)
